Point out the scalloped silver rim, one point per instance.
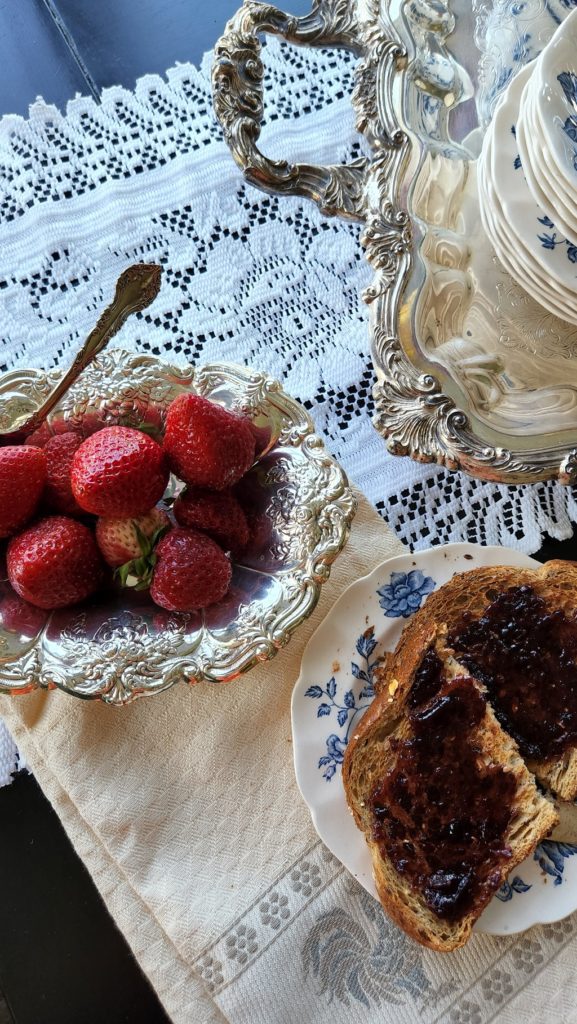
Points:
(413, 411)
(125, 668)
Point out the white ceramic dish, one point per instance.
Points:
(333, 691)
(544, 290)
(527, 227)
(524, 270)
(544, 181)
(556, 99)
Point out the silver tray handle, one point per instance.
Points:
(237, 76)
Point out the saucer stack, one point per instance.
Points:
(527, 176)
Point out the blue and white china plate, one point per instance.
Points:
(555, 97)
(547, 140)
(529, 244)
(334, 690)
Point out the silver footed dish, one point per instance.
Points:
(119, 646)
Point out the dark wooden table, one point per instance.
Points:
(62, 961)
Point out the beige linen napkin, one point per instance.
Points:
(186, 812)
(184, 807)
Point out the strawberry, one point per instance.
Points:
(206, 445)
(54, 563)
(59, 451)
(128, 545)
(217, 513)
(39, 437)
(191, 571)
(22, 476)
(118, 472)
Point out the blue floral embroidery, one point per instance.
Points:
(360, 957)
(350, 706)
(403, 595)
(551, 858)
(506, 891)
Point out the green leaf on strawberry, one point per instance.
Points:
(137, 572)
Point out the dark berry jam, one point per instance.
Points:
(526, 656)
(440, 815)
(427, 681)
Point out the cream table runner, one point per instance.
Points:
(186, 812)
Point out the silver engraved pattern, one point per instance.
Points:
(121, 646)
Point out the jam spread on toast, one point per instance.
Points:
(526, 656)
(441, 813)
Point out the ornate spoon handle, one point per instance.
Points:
(136, 288)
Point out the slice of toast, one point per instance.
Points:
(469, 595)
(372, 760)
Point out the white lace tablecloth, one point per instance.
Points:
(271, 283)
(248, 278)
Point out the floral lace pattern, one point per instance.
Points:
(247, 277)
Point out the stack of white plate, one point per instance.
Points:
(527, 175)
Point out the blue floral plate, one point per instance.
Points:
(334, 690)
(555, 103)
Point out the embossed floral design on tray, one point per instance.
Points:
(121, 646)
(457, 382)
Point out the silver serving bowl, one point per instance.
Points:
(120, 646)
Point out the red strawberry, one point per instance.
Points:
(54, 563)
(217, 513)
(206, 445)
(118, 472)
(22, 476)
(39, 437)
(20, 617)
(59, 452)
(129, 544)
(191, 571)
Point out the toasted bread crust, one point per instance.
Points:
(555, 582)
(366, 755)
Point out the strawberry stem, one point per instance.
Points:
(141, 568)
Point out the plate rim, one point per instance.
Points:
(512, 556)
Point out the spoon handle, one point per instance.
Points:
(136, 288)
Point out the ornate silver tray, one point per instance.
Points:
(471, 372)
(120, 645)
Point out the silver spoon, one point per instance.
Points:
(136, 288)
